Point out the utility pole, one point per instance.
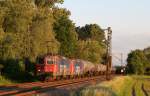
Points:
(122, 59)
(119, 58)
(109, 52)
(122, 65)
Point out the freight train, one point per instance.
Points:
(57, 67)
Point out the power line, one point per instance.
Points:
(119, 58)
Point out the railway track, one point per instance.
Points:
(27, 89)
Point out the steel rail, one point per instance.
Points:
(34, 87)
(59, 86)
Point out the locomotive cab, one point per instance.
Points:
(50, 64)
(46, 65)
(40, 65)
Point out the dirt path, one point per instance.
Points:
(133, 90)
(144, 91)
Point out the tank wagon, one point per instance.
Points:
(58, 67)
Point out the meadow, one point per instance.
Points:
(119, 86)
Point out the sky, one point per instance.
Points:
(129, 20)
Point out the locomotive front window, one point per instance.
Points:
(40, 60)
(50, 62)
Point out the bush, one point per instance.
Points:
(4, 81)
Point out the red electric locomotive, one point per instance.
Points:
(46, 65)
(56, 67)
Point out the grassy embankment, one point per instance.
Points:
(120, 86)
(139, 80)
(4, 81)
(147, 87)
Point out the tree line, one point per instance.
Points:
(33, 28)
(139, 61)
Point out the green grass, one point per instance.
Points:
(116, 87)
(4, 81)
(119, 86)
(139, 80)
(95, 91)
(122, 86)
(126, 88)
(147, 85)
(138, 85)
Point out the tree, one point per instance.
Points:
(49, 3)
(93, 37)
(91, 31)
(137, 62)
(147, 53)
(2, 13)
(16, 26)
(65, 32)
(20, 24)
(43, 37)
(90, 50)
